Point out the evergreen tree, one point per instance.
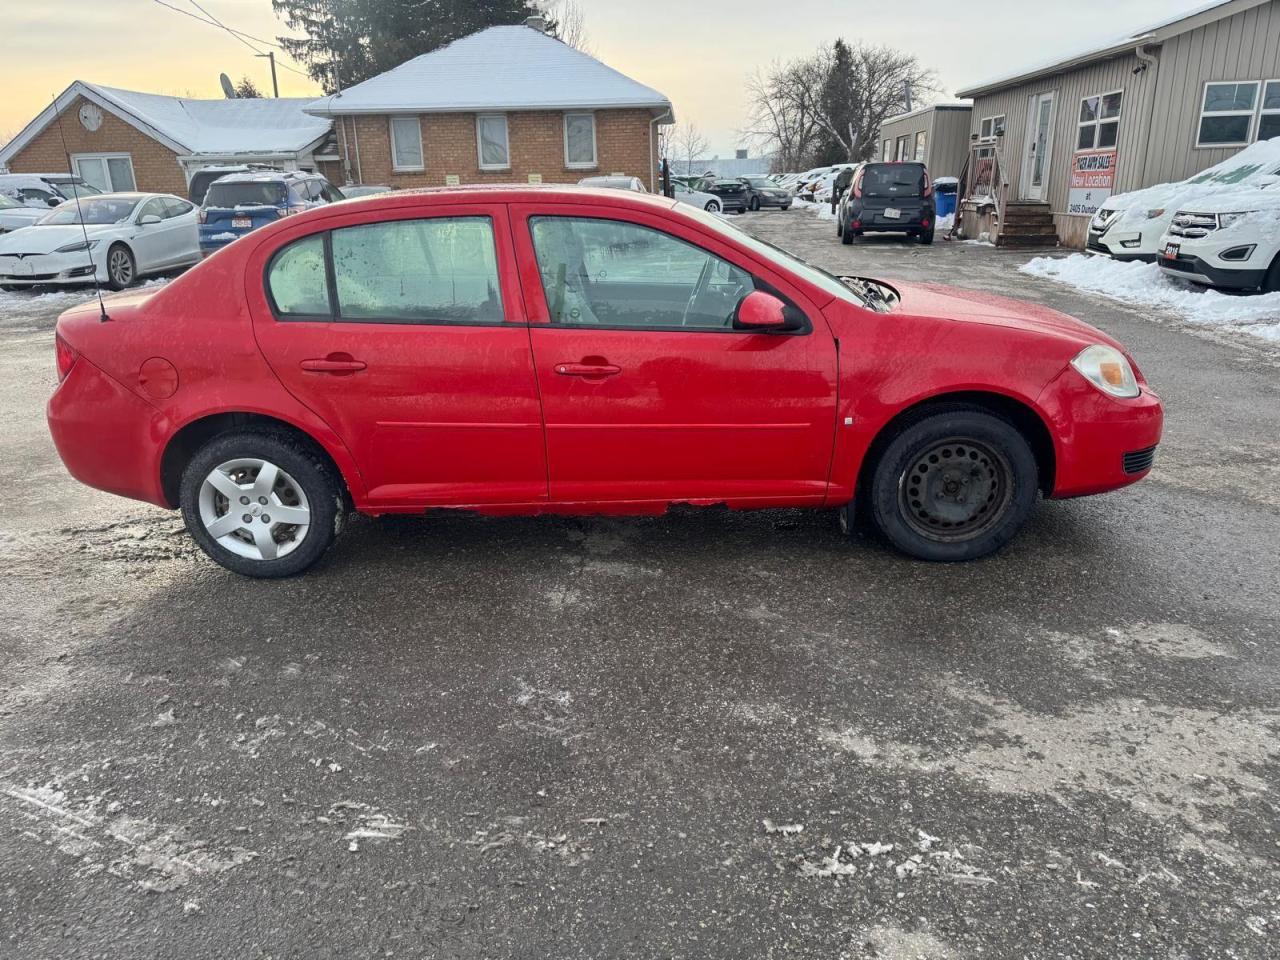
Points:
(362, 38)
(839, 103)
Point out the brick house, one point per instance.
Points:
(125, 140)
(506, 104)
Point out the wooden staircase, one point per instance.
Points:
(1027, 223)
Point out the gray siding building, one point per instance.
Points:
(1157, 106)
(938, 135)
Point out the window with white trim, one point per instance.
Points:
(1098, 126)
(406, 143)
(922, 143)
(1226, 114)
(109, 172)
(1269, 118)
(990, 126)
(887, 153)
(491, 142)
(580, 141)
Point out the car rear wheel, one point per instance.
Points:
(261, 504)
(755, 203)
(926, 236)
(955, 485)
(122, 269)
(839, 227)
(846, 237)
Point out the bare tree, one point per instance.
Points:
(828, 107)
(570, 23)
(687, 144)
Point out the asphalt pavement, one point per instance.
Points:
(709, 735)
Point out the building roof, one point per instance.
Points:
(920, 111)
(501, 68)
(1153, 34)
(223, 128)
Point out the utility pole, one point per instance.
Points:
(275, 85)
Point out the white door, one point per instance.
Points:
(1039, 149)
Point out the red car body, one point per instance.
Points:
(529, 417)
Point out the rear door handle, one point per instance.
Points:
(333, 364)
(587, 369)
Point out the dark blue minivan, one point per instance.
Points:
(240, 203)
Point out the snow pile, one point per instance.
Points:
(1146, 285)
(823, 210)
(945, 224)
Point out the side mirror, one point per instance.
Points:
(53, 202)
(149, 220)
(761, 312)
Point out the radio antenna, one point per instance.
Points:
(75, 192)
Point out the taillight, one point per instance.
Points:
(202, 216)
(65, 356)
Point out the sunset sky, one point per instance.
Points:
(695, 53)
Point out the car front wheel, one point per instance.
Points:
(122, 269)
(713, 206)
(955, 485)
(261, 504)
(1272, 283)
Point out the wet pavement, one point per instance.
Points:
(712, 734)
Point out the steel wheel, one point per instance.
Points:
(955, 490)
(120, 267)
(254, 509)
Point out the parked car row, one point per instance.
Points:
(1219, 228)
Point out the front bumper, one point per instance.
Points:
(1113, 246)
(1101, 443)
(1198, 270)
(51, 269)
(106, 435)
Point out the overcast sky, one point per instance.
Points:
(697, 53)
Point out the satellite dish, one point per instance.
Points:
(227, 88)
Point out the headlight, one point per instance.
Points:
(1231, 219)
(1108, 370)
(77, 246)
(1157, 212)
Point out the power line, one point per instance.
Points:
(238, 34)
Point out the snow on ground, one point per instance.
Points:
(823, 210)
(1146, 285)
(24, 308)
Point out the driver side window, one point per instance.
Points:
(614, 274)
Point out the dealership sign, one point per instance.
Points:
(1093, 179)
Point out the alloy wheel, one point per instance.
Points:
(120, 267)
(955, 490)
(254, 509)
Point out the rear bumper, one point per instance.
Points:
(107, 437)
(1198, 270)
(1100, 443)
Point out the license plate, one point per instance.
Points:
(24, 268)
(892, 213)
(1171, 251)
(241, 223)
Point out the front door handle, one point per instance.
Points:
(587, 369)
(341, 364)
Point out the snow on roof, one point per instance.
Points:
(918, 111)
(189, 126)
(1153, 33)
(501, 68)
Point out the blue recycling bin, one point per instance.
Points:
(945, 190)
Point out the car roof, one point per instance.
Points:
(265, 176)
(512, 193)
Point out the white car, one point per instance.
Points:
(44, 190)
(1129, 226)
(123, 237)
(1231, 240)
(685, 194)
(15, 216)
(614, 183)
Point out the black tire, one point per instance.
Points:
(926, 236)
(846, 237)
(839, 227)
(713, 206)
(755, 204)
(122, 267)
(314, 475)
(1272, 282)
(956, 484)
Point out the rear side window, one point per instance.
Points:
(418, 271)
(297, 280)
(245, 194)
(442, 270)
(893, 180)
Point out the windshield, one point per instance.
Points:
(251, 193)
(8, 202)
(760, 183)
(97, 210)
(893, 180)
(787, 261)
(72, 190)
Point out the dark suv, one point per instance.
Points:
(888, 198)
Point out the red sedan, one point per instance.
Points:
(534, 350)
